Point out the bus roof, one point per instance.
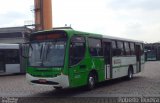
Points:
(69, 29)
(121, 39)
(110, 37)
(9, 46)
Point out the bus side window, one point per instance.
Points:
(120, 47)
(95, 47)
(132, 47)
(12, 57)
(114, 48)
(77, 50)
(127, 49)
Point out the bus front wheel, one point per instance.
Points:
(91, 81)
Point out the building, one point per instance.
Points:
(14, 35)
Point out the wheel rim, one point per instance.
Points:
(130, 74)
(91, 82)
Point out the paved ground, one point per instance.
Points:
(145, 84)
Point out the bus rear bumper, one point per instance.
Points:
(59, 81)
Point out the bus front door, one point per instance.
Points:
(138, 58)
(108, 59)
(2, 62)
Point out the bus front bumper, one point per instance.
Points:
(59, 81)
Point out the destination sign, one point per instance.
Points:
(48, 36)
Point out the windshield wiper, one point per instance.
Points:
(48, 46)
(41, 51)
(47, 51)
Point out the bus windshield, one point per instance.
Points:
(47, 53)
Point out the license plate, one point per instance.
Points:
(42, 80)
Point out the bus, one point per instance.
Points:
(10, 59)
(66, 58)
(152, 51)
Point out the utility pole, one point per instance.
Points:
(43, 14)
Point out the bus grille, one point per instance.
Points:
(47, 82)
(39, 75)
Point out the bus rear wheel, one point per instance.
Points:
(91, 81)
(130, 74)
(58, 88)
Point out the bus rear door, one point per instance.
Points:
(108, 59)
(138, 57)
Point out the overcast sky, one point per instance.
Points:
(133, 19)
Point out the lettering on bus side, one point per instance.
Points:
(117, 61)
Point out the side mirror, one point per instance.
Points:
(24, 50)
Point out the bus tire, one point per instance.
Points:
(57, 88)
(130, 73)
(91, 81)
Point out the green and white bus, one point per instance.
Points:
(66, 58)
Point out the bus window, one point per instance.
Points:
(114, 44)
(77, 50)
(2, 62)
(142, 49)
(132, 47)
(114, 48)
(95, 47)
(127, 49)
(120, 47)
(12, 57)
